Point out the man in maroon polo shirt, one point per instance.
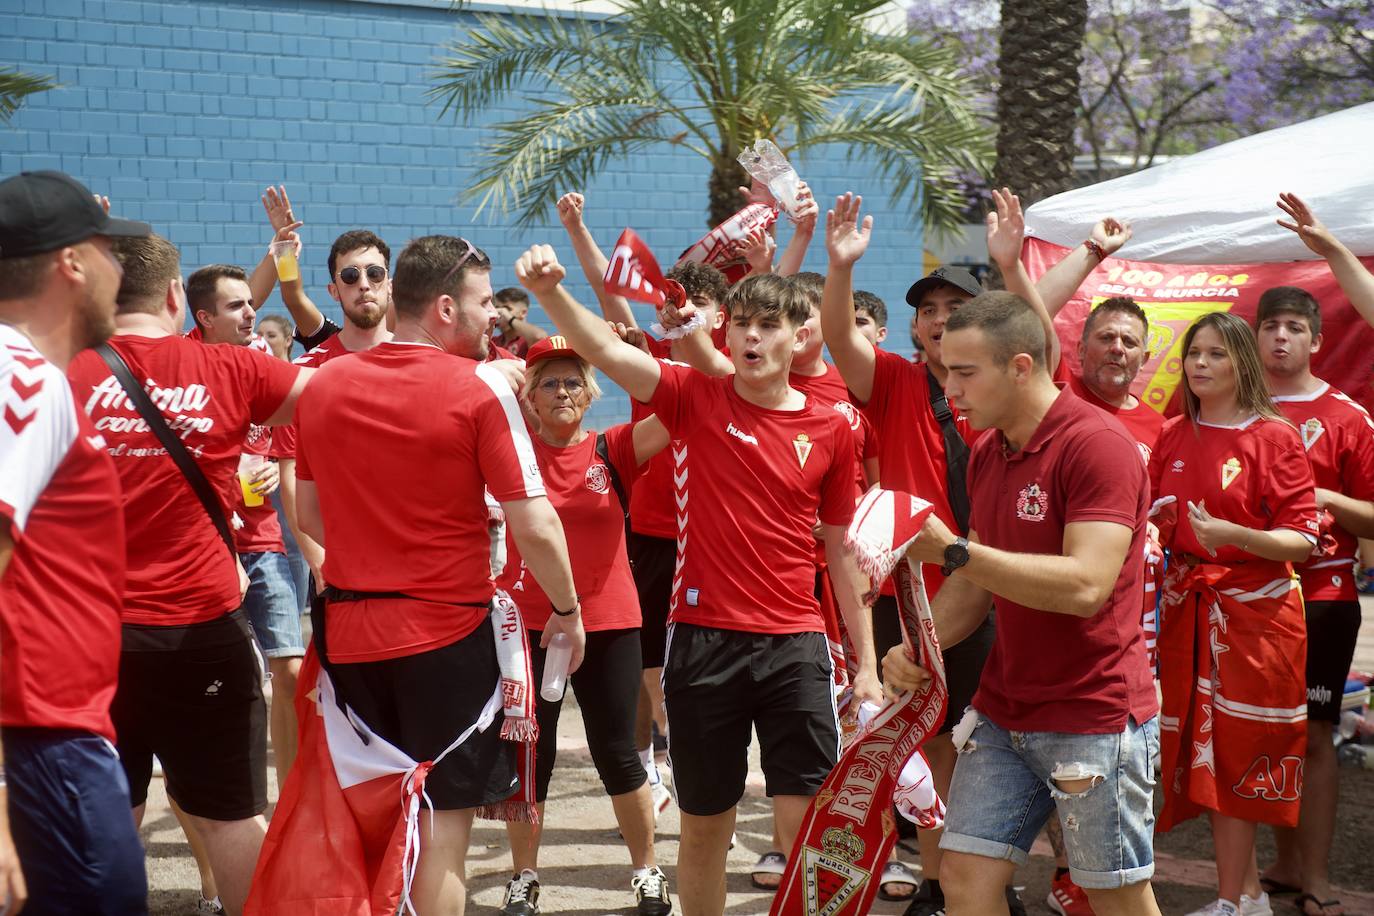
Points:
(1064, 717)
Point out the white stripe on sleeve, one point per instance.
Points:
(519, 433)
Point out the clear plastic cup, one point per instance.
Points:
(249, 465)
(284, 254)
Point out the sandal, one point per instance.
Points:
(897, 874)
(1270, 886)
(1302, 901)
(769, 865)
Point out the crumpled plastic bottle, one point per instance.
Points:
(765, 162)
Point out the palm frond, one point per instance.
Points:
(15, 86)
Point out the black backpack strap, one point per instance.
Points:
(956, 453)
(176, 450)
(603, 452)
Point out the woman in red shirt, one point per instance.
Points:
(1235, 505)
(588, 477)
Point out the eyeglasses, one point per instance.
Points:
(376, 273)
(573, 385)
(472, 254)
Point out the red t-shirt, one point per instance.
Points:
(911, 447)
(403, 505)
(1050, 672)
(579, 486)
(261, 529)
(1141, 421)
(751, 483)
(61, 593)
(1254, 474)
(1339, 438)
(829, 390)
(178, 569)
(652, 513)
(284, 439)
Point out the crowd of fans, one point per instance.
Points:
(1128, 605)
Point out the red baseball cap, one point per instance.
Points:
(554, 346)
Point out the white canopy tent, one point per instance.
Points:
(1217, 206)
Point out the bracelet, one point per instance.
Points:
(577, 606)
(1096, 250)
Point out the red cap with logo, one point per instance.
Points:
(554, 346)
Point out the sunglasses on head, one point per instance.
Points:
(350, 275)
(469, 255)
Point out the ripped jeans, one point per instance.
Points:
(1008, 784)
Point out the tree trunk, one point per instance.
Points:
(1038, 96)
(727, 177)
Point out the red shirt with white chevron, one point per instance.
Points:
(179, 571)
(1339, 438)
(61, 593)
(749, 485)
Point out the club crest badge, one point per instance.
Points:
(597, 481)
(1032, 504)
(829, 874)
(1311, 431)
(1230, 470)
(803, 445)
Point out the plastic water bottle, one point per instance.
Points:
(765, 162)
(556, 667)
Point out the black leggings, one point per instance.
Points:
(607, 688)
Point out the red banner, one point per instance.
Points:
(1176, 295)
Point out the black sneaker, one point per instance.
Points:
(522, 895)
(1014, 903)
(929, 900)
(651, 893)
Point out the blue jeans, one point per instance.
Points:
(72, 824)
(270, 604)
(300, 570)
(1005, 789)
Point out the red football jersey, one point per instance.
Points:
(179, 571)
(1255, 474)
(61, 593)
(829, 391)
(578, 483)
(403, 504)
(1339, 438)
(1141, 421)
(911, 447)
(652, 513)
(284, 438)
(750, 484)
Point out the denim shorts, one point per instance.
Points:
(1004, 791)
(271, 605)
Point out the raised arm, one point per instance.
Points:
(1061, 281)
(1006, 231)
(803, 229)
(304, 313)
(1355, 279)
(846, 240)
(592, 259)
(650, 437)
(628, 366)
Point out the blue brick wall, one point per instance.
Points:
(183, 111)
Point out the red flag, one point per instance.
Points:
(634, 274)
(836, 863)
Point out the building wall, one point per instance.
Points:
(183, 111)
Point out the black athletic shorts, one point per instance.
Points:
(652, 561)
(1332, 630)
(963, 663)
(192, 695)
(421, 703)
(717, 684)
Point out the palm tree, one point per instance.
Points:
(15, 85)
(1037, 97)
(712, 76)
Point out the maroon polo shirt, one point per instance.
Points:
(1053, 672)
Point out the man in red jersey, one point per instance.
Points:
(407, 565)
(1339, 440)
(190, 678)
(757, 463)
(61, 563)
(1058, 502)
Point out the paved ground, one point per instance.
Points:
(585, 869)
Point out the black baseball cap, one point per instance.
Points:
(951, 276)
(45, 211)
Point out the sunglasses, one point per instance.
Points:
(573, 385)
(350, 275)
(470, 254)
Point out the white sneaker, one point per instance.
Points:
(1217, 908)
(1256, 906)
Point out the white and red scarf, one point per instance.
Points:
(720, 246)
(849, 830)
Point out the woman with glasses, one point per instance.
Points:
(588, 476)
(1235, 506)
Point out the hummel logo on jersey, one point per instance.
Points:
(740, 434)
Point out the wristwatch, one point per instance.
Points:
(956, 555)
